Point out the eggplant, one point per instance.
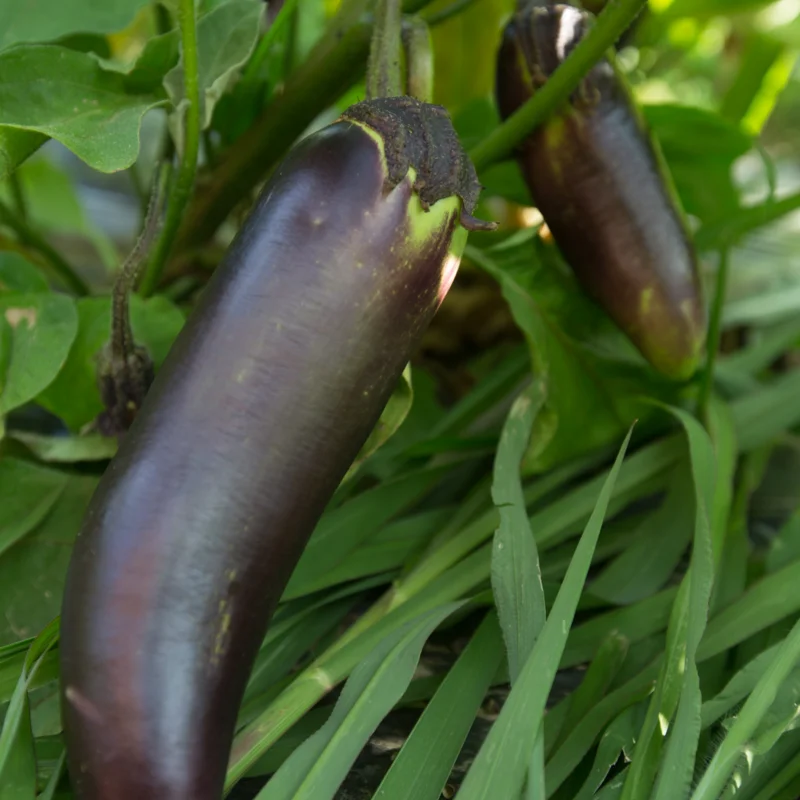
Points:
(265, 398)
(600, 184)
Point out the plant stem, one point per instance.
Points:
(19, 196)
(714, 332)
(442, 15)
(184, 179)
(418, 49)
(611, 24)
(383, 68)
(61, 269)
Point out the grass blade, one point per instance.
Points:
(422, 767)
(516, 578)
(316, 769)
(500, 766)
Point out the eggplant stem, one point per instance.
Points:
(384, 76)
(418, 50)
(184, 180)
(613, 21)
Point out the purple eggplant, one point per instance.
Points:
(266, 397)
(601, 186)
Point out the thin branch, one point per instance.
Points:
(28, 236)
(384, 76)
(184, 179)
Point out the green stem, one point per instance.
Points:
(714, 332)
(418, 49)
(184, 179)
(18, 195)
(442, 15)
(615, 19)
(384, 78)
(61, 269)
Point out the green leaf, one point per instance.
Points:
(27, 494)
(68, 449)
(53, 206)
(646, 566)
(74, 395)
(423, 765)
(43, 329)
(700, 163)
(17, 274)
(52, 19)
(225, 39)
(68, 96)
(342, 529)
(594, 379)
(392, 417)
(516, 579)
(500, 767)
(316, 769)
(17, 760)
(747, 721)
(32, 572)
(16, 146)
(713, 8)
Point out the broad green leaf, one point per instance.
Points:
(500, 767)
(17, 274)
(52, 19)
(516, 579)
(17, 760)
(43, 328)
(593, 377)
(225, 39)
(32, 572)
(27, 494)
(316, 769)
(16, 145)
(68, 96)
(700, 163)
(423, 765)
(74, 395)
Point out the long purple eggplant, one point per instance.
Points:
(603, 191)
(266, 397)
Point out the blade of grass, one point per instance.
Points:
(16, 736)
(756, 706)
(500, 766)
(316, 769)
(49, 792)
(516, 578)
(425, 761)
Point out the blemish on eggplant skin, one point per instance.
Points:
(82, 704)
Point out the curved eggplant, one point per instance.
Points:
(599, 183)
(264, 400)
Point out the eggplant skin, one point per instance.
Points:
(599, 183)
(266, 397)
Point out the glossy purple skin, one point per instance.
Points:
(597, 181)
(265, 399)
